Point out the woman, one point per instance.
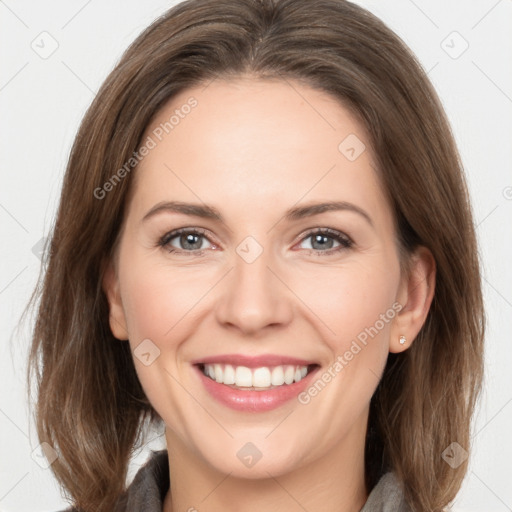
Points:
(264, 243)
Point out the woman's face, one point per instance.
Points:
(260, 271)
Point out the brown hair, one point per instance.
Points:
(90, 405)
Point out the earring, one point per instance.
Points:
(402, 340)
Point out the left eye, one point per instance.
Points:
(321, 241)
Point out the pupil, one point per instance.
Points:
(189, 239)
(322, 239)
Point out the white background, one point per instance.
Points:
(43, 100)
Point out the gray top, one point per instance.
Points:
(147, 491)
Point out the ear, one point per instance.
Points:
(116, 317)
(415, 296)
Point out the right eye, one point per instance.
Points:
(184, 240)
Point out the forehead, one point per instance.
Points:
(266, 141)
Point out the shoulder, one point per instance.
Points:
(386, 496)
(148, 489)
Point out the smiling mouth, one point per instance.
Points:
(256, 379)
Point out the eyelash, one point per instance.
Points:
(344, 241)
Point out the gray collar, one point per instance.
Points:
(386, 496)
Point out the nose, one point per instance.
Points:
(254, 297)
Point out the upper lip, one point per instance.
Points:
(253, 361)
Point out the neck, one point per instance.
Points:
(335, 481)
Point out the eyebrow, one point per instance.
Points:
(296, 213)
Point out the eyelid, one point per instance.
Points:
(179, 231)
(324, 230)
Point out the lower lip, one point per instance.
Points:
(254, 401)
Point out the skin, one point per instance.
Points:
(253, 149)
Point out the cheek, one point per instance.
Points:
(353, 309)
(160, 300)
(350, 300)
(161, 304)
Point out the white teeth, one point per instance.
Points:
(218, 373)
(229, 374)
(262, 378)
(278, 376)
(289, 374)
(243, 376)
